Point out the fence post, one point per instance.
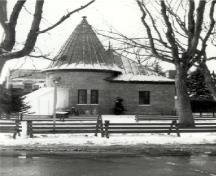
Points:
(29, 128)
(27, 131)
(106, 128)
(20, 116)
(136, 118)
(99, 126)
(171, 126)
(177, 129)
(16, 129)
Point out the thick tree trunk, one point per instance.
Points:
(208, 80)
(183, 102)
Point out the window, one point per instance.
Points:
(82, 96)
(144, 97)
(94, 96)
(27, 87)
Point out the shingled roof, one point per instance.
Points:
(83, 50)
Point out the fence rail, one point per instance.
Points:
(10, 126)
(170, 117)
(154, 127)
(138, 128)
(76, 125)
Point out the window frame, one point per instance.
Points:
(97, 97)
(142, 99)
(86, 98)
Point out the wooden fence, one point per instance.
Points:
(10, 126)
(199, 127)
(197, 116)
(153, 127)
(86, 124)
(156, 127)
(16, 116)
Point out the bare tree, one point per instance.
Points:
(178, 33)
(8, 44)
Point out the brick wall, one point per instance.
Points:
(161, 96)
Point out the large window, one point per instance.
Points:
(144, 97)
(82, 96)
(94, 97)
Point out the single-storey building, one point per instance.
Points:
(93, 77)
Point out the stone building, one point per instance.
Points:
(92, 78)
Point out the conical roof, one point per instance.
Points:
(83, 50)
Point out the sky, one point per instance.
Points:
(121, 16)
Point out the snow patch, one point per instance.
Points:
(134, 77)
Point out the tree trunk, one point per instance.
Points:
(2, 63)
(183, 102)
(208, 79)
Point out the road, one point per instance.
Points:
(23, 164)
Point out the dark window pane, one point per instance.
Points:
(94, 96)
(144, 97)
(82, 96)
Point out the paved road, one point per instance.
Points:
(74, 165)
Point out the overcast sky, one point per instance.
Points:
(121, 16)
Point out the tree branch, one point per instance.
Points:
(209, 32)
(148, 30)
(169, 34)
(155, 28)
(62, 19)
(191, 22)
(180, 22)
(3, 13)
(41, 56)
(212, 24)
(198, 28)
(9, 27)
(32, 35)
(15, 13)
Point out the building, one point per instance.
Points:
(27, 80)
(90, 78)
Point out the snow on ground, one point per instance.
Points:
(119, 118)
(115, 139)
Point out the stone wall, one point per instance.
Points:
(161, 95)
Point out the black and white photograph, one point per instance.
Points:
(107, 87)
